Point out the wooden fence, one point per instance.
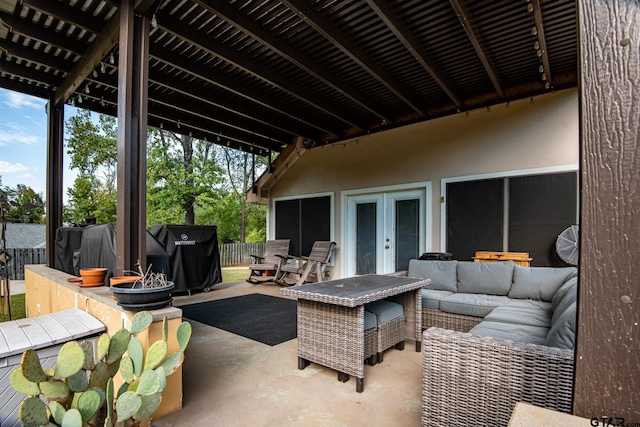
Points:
(21, 257)
(231, 254)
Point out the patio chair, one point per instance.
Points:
(266, 268)
(298, 270)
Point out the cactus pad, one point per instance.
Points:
(155, 354)
(136, 353)
(149, 383)
(103, 346)
(32, 412)
(88, 403)
(148, 406)
(126, 369)
(70, 360)
(173, 362)
(23, 385)
(162, 376)
(78, 381)
(54, 390)
(118, 345)
(99, 376)
(184, 335)
(87, 348)
(72, 418)
(30, 365)
(141, 321)
(57, 411)
(127, 405)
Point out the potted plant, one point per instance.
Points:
(148, 291)
(79, 390)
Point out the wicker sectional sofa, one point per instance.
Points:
(496, 334)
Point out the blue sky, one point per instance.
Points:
(23, 142)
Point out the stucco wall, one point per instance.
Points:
(541, 132)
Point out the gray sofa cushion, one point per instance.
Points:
(563, 330)
(521, 333)
(529, 303)
(570, 285)
(385, 311)
(478, 305)
(520, 316)
(442, 273)
(539, 283)
(431, 297)
(370, 320)
(568, 298)
(491, 278)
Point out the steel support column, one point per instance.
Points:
(55, 128)
(132, 127)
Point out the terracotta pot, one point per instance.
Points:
(92, 277)
(123, 279)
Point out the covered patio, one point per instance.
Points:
(291, 77)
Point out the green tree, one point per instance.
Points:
(22, 204)
(93, 151)
(242, 169)
(180, 174)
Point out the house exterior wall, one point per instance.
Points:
(523, 135)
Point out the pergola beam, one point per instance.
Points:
(233, 16)
(537, 17)
(341, 41)
(476, 41)
(384, 11)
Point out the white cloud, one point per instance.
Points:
(6, 167)
(19, 100)
(19, 137)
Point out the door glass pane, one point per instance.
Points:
(407, 230)
(366, 214)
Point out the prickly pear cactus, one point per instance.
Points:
(79, 390)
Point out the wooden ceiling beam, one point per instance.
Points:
(286, 118)
(341, 41)
(315, 68)
(43, 35)
(66, 13)
(476, 41)
(537, 18)
(256, 69)
(384, 11)
(38, 57)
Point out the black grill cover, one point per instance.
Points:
(98, 249)
(194, 255)
(68, 241)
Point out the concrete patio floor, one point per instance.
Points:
(229, 380)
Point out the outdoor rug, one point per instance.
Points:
(263, 318)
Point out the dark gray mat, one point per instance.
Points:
(263, 318)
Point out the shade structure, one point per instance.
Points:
(194, 255)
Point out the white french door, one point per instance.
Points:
(384, 231)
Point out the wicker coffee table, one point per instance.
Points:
(331, 319)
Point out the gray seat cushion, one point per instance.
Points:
(539, 283)
(521, 316)
(491, 278)
(431, 297)
(529, 303)
(370, 320)
(520, 333)
(570, 285)
(385, 311)
(472, 304)
(442, 273)
(568, 298)
(563, 330)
